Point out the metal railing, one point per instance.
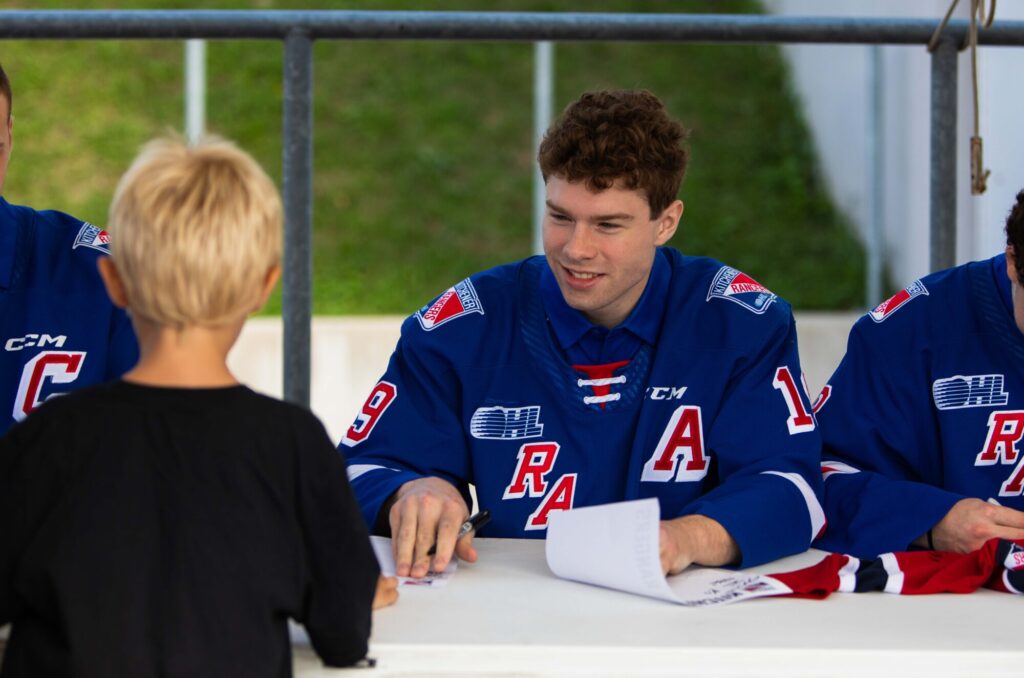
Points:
(298, 30)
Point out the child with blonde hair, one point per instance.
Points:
(171, 522)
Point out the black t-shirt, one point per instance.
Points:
(161, 531)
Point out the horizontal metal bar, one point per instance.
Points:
(390, 25)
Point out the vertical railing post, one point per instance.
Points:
(297, 279)
(942, 215)
(195, 89)
(543, 95)
(876, 173)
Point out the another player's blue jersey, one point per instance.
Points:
(58, 329)
(926, 408)
(712, 420)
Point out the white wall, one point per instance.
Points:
(833, 84)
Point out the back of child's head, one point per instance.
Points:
(195, 229)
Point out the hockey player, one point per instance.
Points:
(612, 369)
(923, 418)
(58, 329)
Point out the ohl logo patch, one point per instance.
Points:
(898, 300)
(506, 423)
(741, 288)
(457, 301)
(92, 236)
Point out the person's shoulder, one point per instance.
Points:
(66, 414)
(472, 308)
(271, 409)
(60, 241)
(930, 303)
(715, 290)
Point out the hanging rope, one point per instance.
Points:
(979, 175)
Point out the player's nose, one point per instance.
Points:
(580, 244)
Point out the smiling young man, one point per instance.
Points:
(613, 368)
(58, 329)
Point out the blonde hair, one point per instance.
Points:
(194, 231)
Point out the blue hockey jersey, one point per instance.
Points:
(925, 409)
(58, 329)
(711, 420)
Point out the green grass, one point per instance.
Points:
(423, 150)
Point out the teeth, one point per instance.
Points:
(583, 276)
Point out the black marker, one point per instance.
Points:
(473, 523)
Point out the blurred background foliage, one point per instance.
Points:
(423, 149)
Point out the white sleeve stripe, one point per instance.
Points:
(814, 510)
(848, 575)
(894, 584)
(830, 468)
(356, 470)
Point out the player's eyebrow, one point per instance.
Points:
(597, 217)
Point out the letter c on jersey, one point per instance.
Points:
(58, 367)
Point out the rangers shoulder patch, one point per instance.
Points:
(457, 301)
(741, 288)
(898, 300)
(92, 236)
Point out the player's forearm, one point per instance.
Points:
(700, 540)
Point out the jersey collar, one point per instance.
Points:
(8, 241)
(644, 320)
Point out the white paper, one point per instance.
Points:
(386, 560)
(616, 546)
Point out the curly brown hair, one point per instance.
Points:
(1015, 235)
(622, 136)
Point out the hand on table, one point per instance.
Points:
(694, 539)
(428, 511)
(387, 592)
(972, 522)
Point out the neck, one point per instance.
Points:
(190, 357)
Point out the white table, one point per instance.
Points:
(507, 615)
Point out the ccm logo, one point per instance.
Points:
(35, 341)
(49, 367)
(665, 392)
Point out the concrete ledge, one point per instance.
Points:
(350, 353)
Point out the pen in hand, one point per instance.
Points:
(473, 523)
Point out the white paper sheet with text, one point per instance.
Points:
(386, 560)
(616, 546)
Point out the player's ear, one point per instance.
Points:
(269, 281)
(1011, 265)
(112, 281)
(668, 221)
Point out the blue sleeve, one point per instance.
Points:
(881, 450)
(409, 426)
(767, 448)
